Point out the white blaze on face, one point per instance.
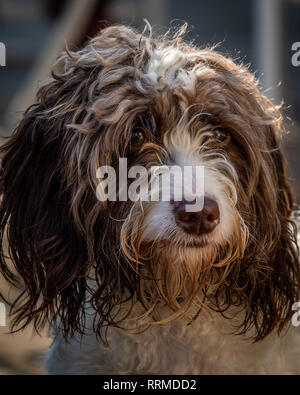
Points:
(185, 151)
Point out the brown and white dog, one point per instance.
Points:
(147, 287)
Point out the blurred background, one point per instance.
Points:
(259, 32)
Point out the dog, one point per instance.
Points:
(139, 287)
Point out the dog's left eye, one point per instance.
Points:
(138, 138)
(222, 136)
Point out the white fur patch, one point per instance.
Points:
(205, 347)
(167, 66)
(170, 66)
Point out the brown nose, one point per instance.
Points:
(200, 222)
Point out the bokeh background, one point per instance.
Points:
(259, 32)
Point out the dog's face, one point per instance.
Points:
(154, 103)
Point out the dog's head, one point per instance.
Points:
(153, 102)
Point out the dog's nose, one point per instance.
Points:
(200, 222)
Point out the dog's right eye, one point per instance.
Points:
(137, 138)
(220, 136)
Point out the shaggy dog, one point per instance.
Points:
(149, 286)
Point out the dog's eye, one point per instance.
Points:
(221, 137)
(137, 138)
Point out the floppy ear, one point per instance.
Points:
(285, 195)
(47, 250)
(284, 256)
(267, 282)
(39, 216)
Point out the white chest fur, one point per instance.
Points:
(205, 347)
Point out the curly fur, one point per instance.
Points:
(72, 251)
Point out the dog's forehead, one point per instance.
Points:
(175, 68)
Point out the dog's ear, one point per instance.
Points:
(285, 279)
(269, 276)
(285, 199)
(281, 287)
(46, 249)
(39, 216)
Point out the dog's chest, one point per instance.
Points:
(207, 346)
